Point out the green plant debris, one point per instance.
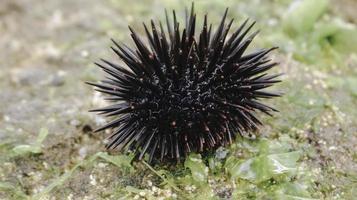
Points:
(302, 15)
(264, 167)
(199, 170)
(273, 172)
(121, 161)
(162, 175)
(267, 164)
(347, 83)
(33, 148)
(58, 182)
(16, 193)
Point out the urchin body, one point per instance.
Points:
(182, 93)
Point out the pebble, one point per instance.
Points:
(75, 122)
(221, 153)
(92, 180)
(332, 148)
(28, 77)
(84, 53)
(102, 165)
(82, 152)
(70, 196)
(56, 80)
(7, 118)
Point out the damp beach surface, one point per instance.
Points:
(47, 148)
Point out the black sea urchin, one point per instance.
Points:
(182, 93)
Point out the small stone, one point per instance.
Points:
(92, 180)
(149, 183)
(31, 76)
(102, 165)
(70, 196)
(221, 153)
(82, 152)
(84, 54)
(332, 148)
(6, 118)
(56, 80)
(75, 122)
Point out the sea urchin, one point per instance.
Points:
(182, 93)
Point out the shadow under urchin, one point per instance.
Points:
(181, 93)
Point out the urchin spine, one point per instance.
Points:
(182, 93)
